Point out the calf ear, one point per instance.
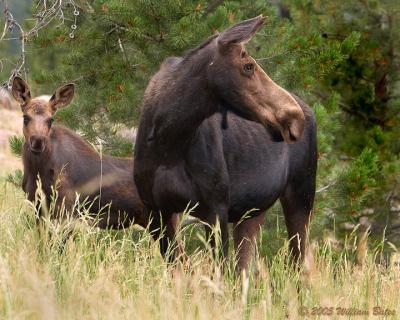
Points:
(62, 96)
(241, 32)
(20, 91)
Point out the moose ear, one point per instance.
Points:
(20, 91)
(62, 96)
(241, 32)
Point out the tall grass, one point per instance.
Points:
(120, 275)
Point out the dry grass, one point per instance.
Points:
(120, 275)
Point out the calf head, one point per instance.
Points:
(238, 80)
(38, 112)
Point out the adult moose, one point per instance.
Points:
(215, 129)
(66, 163)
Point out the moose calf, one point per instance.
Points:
(65, 163)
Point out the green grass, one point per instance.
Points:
(120, 275)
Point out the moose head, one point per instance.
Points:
(238, 80)
(38, 112)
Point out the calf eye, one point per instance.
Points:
(50, 121)
(248, 67)
(26, 120)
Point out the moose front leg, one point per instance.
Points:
(29, 186)
(164, 228)
(175, 244)
(219, 238)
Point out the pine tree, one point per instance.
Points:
(319, 50)
(365, 165)
(118, 45)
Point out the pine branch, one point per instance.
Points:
(45, 15)
(16, 143)
(15, 178)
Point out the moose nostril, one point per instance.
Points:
(293, 135)
(37, 143)
(296, 128)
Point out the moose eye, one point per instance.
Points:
(26, 120)
(248, 67)
(50, 121)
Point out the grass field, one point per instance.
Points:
(120, 275)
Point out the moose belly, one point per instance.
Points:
(254, 190)
(172, 189)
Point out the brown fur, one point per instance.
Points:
(213, 131)
(66, 163)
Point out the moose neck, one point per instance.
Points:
(185, 104)
(180, 122)
(36, 163)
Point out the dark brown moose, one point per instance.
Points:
(215, 129)
(66, 163)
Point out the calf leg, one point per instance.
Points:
(245, 234)
(64, 203)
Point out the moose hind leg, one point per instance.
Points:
(297, 203)
(245, 235)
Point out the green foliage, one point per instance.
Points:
(357, 182)
(16, 143)
(340, 57)
(327, 116)
(358, 143)
(15, 178)
(118, 45)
